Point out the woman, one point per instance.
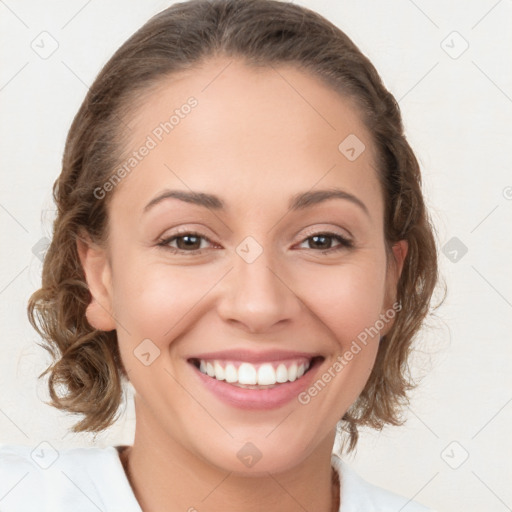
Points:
(241, 235)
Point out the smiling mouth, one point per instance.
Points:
(256, 376)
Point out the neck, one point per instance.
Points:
(164, 475)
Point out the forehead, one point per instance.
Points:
(258, 132)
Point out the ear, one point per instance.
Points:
(394, 271)
(98, 275)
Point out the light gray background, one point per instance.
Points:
(457, 113)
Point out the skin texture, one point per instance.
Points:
(254, 141)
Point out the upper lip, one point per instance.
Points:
(251, 356)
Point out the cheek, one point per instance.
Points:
(347, 302)
(347, 299)
(157, 301)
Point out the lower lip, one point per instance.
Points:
(269, 398)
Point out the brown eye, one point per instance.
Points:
(324, 241)
(185, 243)
(188, 242)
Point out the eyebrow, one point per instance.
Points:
(297, 202)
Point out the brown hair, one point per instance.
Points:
(87, 363)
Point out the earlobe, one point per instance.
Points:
(98, 317)
(95, 264)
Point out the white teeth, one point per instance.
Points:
(219, 371)
(231, 373)
(249, 374)
(266, 375)
(209, 370)
(292, 372)
(282, 373)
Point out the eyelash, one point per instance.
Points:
(345, 243)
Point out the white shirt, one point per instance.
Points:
(92, 479)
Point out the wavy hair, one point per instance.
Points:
(86, 375)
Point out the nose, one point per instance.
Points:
(258, 295)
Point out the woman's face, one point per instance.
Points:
(222, 299)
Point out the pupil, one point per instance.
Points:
(322, 237)
(191, 241)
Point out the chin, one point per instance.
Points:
(258, 456)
